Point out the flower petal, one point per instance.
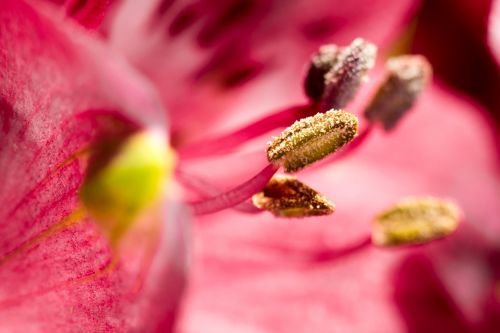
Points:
(61, 92)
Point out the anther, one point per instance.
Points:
(415, 220)
(405, 79)
(321, 63)
(285, 196)
(348, 68)
(311, 139)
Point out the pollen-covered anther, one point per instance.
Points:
(321, 63)
(415, 220)
(406, 78)
(349, 70)
(311, 139)
(285, 196)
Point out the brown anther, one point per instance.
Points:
(415, 220)
(347, 73)
(311, 139)
(405, 79)
(321, 63)
(285, 196)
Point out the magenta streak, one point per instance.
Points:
(237, 195)
(7, 115)
(44, 211)
(86, 137)
(186, 17)
(37, 188)
(228, 142)
(329, 255)
(16, 300)
(76, 6)
(206, 189)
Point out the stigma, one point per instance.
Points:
(121, 188)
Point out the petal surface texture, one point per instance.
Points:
(60, 93)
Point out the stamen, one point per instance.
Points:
(406, 78)
(415, 220)
(285, 196)
(311, 139)
(204, 188)
(349, 70)
(332, 81)
(236, 195)
(230, 141)
(321, 63)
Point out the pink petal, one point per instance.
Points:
(60, 91)
(203, 55)
(260, 274)
(494, 30)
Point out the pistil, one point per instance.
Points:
(119, 189)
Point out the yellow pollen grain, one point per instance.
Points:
(285, 196)
(415, 220)
(311, 139)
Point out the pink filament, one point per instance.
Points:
(230, 141)
(237, 195)
(206, 189)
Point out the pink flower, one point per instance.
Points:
(218, 66)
